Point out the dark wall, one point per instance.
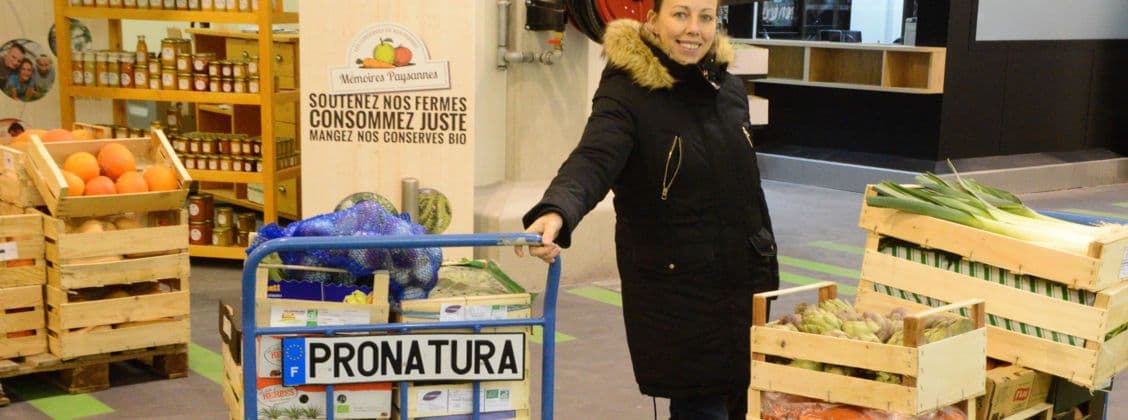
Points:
(1030, 96)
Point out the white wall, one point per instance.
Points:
(1015, 20)
(878, 20)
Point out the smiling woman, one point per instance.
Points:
(685, 28)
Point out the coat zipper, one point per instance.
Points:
(667, 180)
(748, 137)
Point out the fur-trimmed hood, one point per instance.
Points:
(625, 44)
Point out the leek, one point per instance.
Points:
(980, 206)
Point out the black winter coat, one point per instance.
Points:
(692, 234)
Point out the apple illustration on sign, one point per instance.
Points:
(384, 56)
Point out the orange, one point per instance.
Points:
(160, 178)
(131, 182)
(83, 164)
(75, 185)
(115, 160)
(100, 185)
(25, 137)
(82, 134)
(57, 134)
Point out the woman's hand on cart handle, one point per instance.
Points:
(547, 226)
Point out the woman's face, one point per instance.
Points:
(685, 28)
(26, 70)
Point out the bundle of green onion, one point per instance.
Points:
(970, 203)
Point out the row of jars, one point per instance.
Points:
(209, 224)
(217, 143)
(119, 69)
(206, 5)
(221, 162)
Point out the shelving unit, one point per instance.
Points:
(262, 105)
(880, 67)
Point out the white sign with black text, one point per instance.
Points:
(391, 358)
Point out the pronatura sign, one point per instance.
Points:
(391, 358)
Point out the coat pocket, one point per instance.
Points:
(676, 261)
(763, 242)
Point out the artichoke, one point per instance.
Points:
(806, 364)
(839, 370)
(889, 378)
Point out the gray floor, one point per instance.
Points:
(593, 374)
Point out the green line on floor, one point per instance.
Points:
(833, 270)
(1124, 204)
(538, 336)
(600, 294)
(54, 402)
(206, 363)
(833, 246)
(1084, 212)
(800, 280)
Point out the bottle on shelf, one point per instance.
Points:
(172, 115)
(142, 51)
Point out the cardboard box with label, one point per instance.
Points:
(1011, 389)
(425, 401)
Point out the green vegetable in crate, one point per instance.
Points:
(839, 370)
(806, 364)
(889, 378)
(818, 321)
(782, 326)
(434, 210)
(860, 330)
(354, 198)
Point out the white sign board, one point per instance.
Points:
(419, 357)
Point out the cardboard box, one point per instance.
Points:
(1011, 389)
(456, 399)
(362, 401)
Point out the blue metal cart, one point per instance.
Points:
(251, 332)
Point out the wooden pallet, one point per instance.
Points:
(1091, 366)
(44, 161)
(935, 374)
(22, 261)
(1101, 268)
(91, 373)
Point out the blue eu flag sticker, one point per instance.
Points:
(293, 361)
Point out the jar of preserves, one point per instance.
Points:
(169, 4)
(194, 145)
(127, 69)
(253, 84)
(121, 132)
(181, 4)
(200, 82)
(156, 4)
(257, 164)
(129, 4)
(207, 5)
(168, 78)
(244, 5)
(184, 80)
(143, 4)
(179, 144)
(100, 68)
(225, 163)
(256, 147)
(227, 85)
(242, 239)
(230, 6)
(213, 163)
(183, 62)
(154, 64)
(225, 68)
(140, 76)
(252, 65)
(246, 222)
(239, 69)
(200, 207)
(237, 146)
(168, 52)
(200, 233)
(87, 3)
(89, 69)
(213, 68)
(207, 146)
(193, 4)
(240, 85)
(189, 160)
(78, 64)
(223, 144)
(113, 68)
(223, 236)
(200, 62)
(213, 83)
(115, 3)
(155, 81)
(102, 3)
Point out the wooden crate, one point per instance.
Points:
(75, 260)
(1100, 269)
(935, 375)
(22, 251)
(83, 327)
(99, 131)
(1091, 366)
(17, 187)
(378, 310)
(21, 312)
(45, 160)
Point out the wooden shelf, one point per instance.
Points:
(216, 109)
(119, 13)
(227, 196)
(212, 251)
(226, 176)
(876, 67)
(166, 95)
(278, 37)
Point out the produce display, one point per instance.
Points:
(472, 278)
(113, 171)
(976, 205)
(837, 318)
(778, 406)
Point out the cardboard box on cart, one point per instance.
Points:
(1011, 389)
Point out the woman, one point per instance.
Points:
(669, 133)
(19, 84)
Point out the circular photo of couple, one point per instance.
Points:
(27, 70)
